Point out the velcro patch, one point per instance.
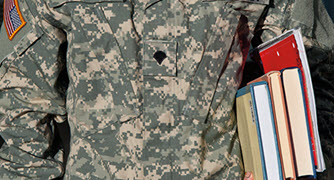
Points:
(12, 16)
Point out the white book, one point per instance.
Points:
(267, 131)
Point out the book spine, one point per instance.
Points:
(309, 117)
(258, 133)
(275, 134)
(308, 124)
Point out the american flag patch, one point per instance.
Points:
(12, 16)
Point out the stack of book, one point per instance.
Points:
(276, 114)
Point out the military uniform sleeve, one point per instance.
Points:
(309, 15)
(28, 96)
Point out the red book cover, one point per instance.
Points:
(284, 54)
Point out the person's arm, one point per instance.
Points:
(308, 15)
(29, 97)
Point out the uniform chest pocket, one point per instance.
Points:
(249, 1)
(93, 46)
(102, 89)
(56, 3)
(159, 58)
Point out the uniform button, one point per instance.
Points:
(159, 56)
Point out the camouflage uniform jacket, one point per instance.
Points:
(151, 88)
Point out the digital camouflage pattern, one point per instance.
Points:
(130, 116)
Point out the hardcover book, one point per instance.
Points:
(257, 132)
(288, 51)
(274, 81)
(296, 107)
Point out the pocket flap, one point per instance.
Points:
(249, 1)
(56, 3)
(28, 40)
